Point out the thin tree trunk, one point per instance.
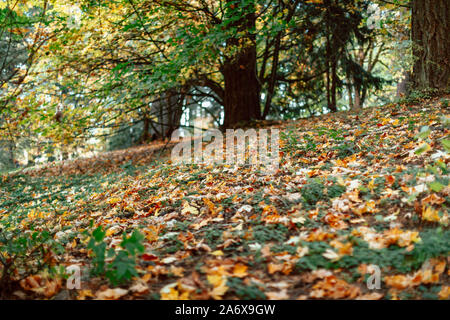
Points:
(328, 72)
(333, 106)
(350, 93)
(357, 105)
(271, 89)
(145, 132)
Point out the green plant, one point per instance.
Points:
(290, 140)
(335, 190)
(244, 291)
(310, 144)
(269, 233)
(345, 149)
(123, 262)
(98, 247)
(23, 252)
(312, 192)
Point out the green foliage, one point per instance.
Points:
(293, 142)
(313, 192)
(122, 266)
(290, 140)
(98, 247)
(25, 249)
(314, 259)
(336, 190)
(416, 96)
(213, 236)
(244, 291)
(434, 244)
(263, 234)
(346, 149)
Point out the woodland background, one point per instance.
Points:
(91, 92)
(86, 76)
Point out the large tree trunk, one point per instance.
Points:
(242, 90)
(431, 43)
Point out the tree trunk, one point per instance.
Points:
(272, 82)
(334, 80)
(431, 43)
(242, 90)
(145, 132)
(350, 93)
(403, 85)
(331, 57)
(165, 115)
(357, 103)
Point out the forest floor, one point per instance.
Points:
(355, 196)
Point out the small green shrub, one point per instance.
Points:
(123, 264)
(23, 252)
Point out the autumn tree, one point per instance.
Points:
(21, 38)
(112, 68)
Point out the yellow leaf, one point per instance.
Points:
(217, 253)
(169, 292)
(430, 214)
(273, 267)
(219, 284)
(240, 270)
(215, 279)
(113, 201)
(371, 185)
(151, 233)
(113, 230)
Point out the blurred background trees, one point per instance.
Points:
(82, 76)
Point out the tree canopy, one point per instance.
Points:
(77, 70)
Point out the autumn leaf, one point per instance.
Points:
(111, 294)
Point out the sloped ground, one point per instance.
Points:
(354, 194)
